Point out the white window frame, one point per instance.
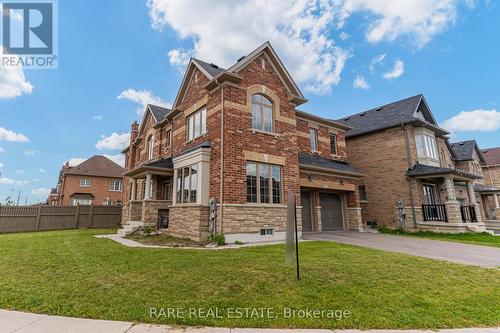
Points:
(270, 167)
(181, 185)
(150, 147)
(196, 124)
(333, 147)
(426, 144)
(85, 182)
(262, 108)
(313, 138)
(115, 185)
(81, 202)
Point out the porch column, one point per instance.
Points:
(471, 194)
(497, 205)
(450, 189)
(147, 195)
(133, 190)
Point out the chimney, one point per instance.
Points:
(134, 131)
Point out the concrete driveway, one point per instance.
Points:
(477, 255)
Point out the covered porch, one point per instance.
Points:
(447, 200)
(490, 198)
(151, 188)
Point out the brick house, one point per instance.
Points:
(413, 177)
(53, 198)
(491, 171)
(235, 135)
(96, 181)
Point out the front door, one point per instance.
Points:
(305, 199)
(331, 212)
(430, 194)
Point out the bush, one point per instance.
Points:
(218, 238)
(238, 242)
(147, 231)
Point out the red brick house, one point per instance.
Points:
(491, 171)
(236, 136)
(96, 181)
(414, 178)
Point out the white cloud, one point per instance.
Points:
(376, 61)
(298, 31)
(42, 191)
(344, 36)
(143, 98)
(114, 141)
(360, 83)
(98, 117)
(31, 152)
(419, 20)
(475, 120)
(19, 172)
(10, 181)
(35, 179)
(74, 161)
(118, 159)
(1, 166)
(397, 71)
(179, 57)
(9, 135)
(2, 150)
(13, 83)
(41, 170)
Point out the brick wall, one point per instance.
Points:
(324, 147)
(99, 188)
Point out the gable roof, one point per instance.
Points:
(464, 150)
(492, 155)
(158, 112)
(408, 110)
(97, 165)
(327, 164)
(212, 69)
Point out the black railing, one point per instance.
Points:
(468, 214)
(435, 213)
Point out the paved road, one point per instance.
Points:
(461, 253)
(21, 322)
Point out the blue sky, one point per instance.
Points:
(115, 56)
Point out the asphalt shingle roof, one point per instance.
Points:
(158, 112)
(386, 116)
(485, 188)
(424, 170)
(492, 155)
(212, 69)
(464, 150)
(317, 161)
(166, 163)
(96, 166)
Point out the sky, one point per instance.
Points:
(346, 56)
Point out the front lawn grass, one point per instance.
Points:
(72, 273)
(469, 237)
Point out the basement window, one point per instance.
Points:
(266, 232)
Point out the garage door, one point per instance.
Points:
(305, 199)
(331, 212)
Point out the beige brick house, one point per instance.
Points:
(491, 190)
(413, 176)
(235, 136)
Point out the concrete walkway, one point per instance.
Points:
(476, 255)
(21, 322)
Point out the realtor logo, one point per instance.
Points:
(29, 34)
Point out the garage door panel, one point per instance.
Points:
(331, 212)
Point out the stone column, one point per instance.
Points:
(472, 200)
(495, 196)
(452, 205)
(147, 195)
(133, 190)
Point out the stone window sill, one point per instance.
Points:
(254, 131)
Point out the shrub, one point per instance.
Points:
(218, 238)
(147, 231)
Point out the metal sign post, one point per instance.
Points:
(292, 232)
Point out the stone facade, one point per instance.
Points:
(190, 221)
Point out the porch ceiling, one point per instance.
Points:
(428, 171)
(163, 167)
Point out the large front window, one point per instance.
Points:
(262, 113)
(149, 147)
(263, 183)
(426, 146)
(187, 184)
(313, 137)
(197, 124)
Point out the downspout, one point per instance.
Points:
(410, 189)
(221, 157)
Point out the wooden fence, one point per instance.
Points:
(38, 218)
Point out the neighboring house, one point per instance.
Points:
(235, 135)
(96, 181)
(53, 199)
(413, 177)
(491, 171)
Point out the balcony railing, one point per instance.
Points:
(468, 214)
(435, 213)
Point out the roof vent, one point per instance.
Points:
(214, 65)
(362, 114)
(347, 118)
(240, 59)
(378, 109)
(461, 144)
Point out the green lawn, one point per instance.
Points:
(471, 238)
(72, 273)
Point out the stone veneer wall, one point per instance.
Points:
(150, 211)
(135, 210)
(354, 219)
(189, 221)
(252, 218)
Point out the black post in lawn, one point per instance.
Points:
(296, 239)
(292, 232)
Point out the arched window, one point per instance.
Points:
(149, 147)
(262, 113)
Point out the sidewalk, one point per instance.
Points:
(21, 322)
